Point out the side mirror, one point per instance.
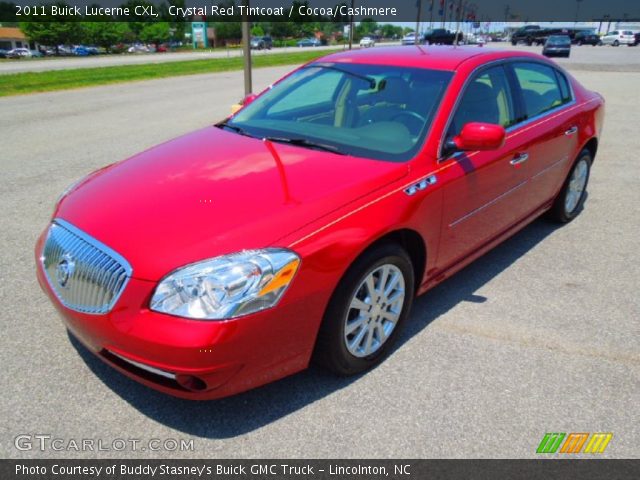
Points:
(244, 102)
(248, 99)
(478, 136)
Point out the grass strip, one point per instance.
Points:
(32, 82)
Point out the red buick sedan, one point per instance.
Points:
(303, 226)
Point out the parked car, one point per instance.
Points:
(586, 37)
(410, 39)
(3, 53)
(619, 37)
(80, 51)
(36, 53)
(366, 42)
(527, 34)
(303, 226)
(138, 49)
(439, 36)
(261, 43)
(309, 42)
(19, 53)
(557, 46)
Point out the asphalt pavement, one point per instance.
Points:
(539, 335)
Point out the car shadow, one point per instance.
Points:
(251, 410)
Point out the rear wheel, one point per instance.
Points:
(571, 198)
(366, 311)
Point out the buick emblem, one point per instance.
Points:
(65, 269)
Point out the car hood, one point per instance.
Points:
(214, 192)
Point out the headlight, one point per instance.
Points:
(228, 286)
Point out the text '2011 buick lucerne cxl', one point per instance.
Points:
(303, 226)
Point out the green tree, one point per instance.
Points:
(389, 31)
(8, 14)
(228, 30)
(367, 26)
(53, 31)
(257, 31)
(105, 33)
(156, 32)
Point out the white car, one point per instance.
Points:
(19, 52)
(139, 49)
(619, 37)
(367, 42)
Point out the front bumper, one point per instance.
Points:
(196, 359)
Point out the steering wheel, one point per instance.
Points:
(413, 116)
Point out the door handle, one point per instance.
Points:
(523, 157)
(571, 131)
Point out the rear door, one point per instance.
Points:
(549, 130)
(483, 193)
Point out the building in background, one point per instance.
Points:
(12, 37)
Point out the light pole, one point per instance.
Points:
(577, 10)
(351, 25)
(418, 21)
(246, 48)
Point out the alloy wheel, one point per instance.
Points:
(577, 184)
(374, 310)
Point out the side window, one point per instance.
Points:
(487, 98)
(309, 92)
(564, 87)
(539, 86)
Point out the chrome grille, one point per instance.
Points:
(86, 275)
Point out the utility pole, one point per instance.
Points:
(418, 22)
(351, 25)
(246, 48)
(431, 15)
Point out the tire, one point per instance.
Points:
(616, 43)
(348, 353)
(579, 43)
(564, 210)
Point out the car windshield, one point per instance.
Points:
(375, 111)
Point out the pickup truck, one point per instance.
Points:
(534, 35)
(439, 36)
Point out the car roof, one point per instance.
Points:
(423, 56)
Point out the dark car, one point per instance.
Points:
(3, 53)
(439, 36)
(260, 43)
(526, 34)
(309, 42)
(587, 37)
(557, 46)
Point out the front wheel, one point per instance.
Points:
(366, 311)
(616, 43)
(571, 198)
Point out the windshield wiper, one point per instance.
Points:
(303, 142)
(235, 128)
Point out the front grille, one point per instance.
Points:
(86, 275)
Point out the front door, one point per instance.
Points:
(484, 191)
